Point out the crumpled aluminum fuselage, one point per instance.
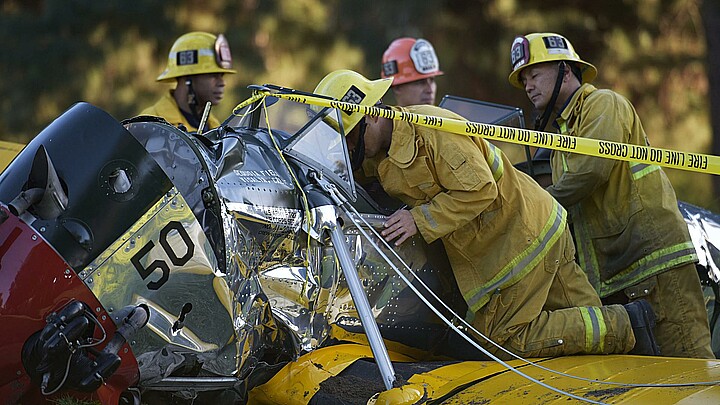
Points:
(210, 236)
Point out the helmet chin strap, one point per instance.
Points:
(191, 98)
(358, 154)
(541, 121)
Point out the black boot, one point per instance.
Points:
(642, 319)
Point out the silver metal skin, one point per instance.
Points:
(245, 262)
(704, 227)
(116, 287)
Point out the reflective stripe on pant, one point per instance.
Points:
(554, 311)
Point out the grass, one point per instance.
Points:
(67, 400)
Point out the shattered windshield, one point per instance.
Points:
(321, 144)
(315, 137)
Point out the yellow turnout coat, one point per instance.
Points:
(168, 109)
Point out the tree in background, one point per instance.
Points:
(711, 19)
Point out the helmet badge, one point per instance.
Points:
(223, 57)
(423, 57)
(520, 52)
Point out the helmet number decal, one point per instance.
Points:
(390, 68)
(189, 57)
(170, 252)
(423, 56)
(353, 95)
(520, 52)
(556, 44)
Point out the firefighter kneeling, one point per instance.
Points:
(507, 239)
(632, 241)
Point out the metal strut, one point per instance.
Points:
(377, 345)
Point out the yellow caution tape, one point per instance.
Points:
(255, 97)
(696, 162)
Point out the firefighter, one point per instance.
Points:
(631, 239)
(197, 63)
(413, 65)
(507, 239)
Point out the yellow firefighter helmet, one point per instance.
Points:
(537, 48)
(352, 87)
(197, 53)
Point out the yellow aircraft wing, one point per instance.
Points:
(346, 374)
(8, 151)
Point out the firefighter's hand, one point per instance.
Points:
(399, 227)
